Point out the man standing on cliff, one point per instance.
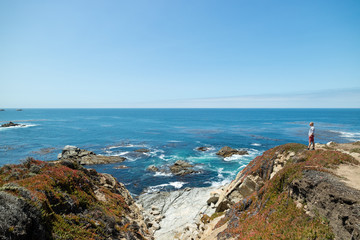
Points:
(311, 136)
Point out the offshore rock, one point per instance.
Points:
(85, 157)
(182, 168)
(228, 152)
(202, 149)
(179, 168)
(142, 150)
(11, 124)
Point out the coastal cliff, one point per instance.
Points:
(40, 200)
(286, 193)
(291, 193)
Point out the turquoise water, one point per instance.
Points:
(170, 134)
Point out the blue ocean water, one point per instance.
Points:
(170, 135)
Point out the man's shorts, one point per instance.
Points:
(311, 138)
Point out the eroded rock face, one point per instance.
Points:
(19, 219)
(228, 152)
(85, 157)
(326, 194)
(68, 200)
(175, 215)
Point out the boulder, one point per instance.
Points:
(153, 168)
(202, 149)
(228, 152)
(85, 157)
(182, 168)
(11, 124)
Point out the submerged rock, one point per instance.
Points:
(142, 150)
(85, 157)
(153, 168)
(228, 152)
(202, 149)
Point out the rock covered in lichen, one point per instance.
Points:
(66, 201)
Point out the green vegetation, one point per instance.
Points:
(271, 213)
(67, 202)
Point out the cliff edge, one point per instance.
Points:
(40, 200)
(290, 193)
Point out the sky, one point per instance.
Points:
(175, 54)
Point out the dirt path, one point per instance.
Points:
(350, 173)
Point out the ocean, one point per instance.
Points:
(170, 135)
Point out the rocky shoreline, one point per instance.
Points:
(315, 194)
(199, 213)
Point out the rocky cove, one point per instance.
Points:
(315, 194)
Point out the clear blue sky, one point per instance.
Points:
(171, 53)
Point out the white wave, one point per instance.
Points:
(235, 157)
(221, 183)
(162, 174)
(155, 152)
(251, 154)
(126, 146)
(113, 147)
(176, 185)
(162, 156)
(353, 136)
(175, 141)
(256, 144)
(120, 154)
(22, 125)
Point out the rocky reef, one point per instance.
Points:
(85, 157)
(40, 200)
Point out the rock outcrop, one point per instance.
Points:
(176, 214)
(288, 185)
(85, 157)
(202, 149)
(228, 152)
(142, 150)
(11, 124)
(40, 200)
(180, 168)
